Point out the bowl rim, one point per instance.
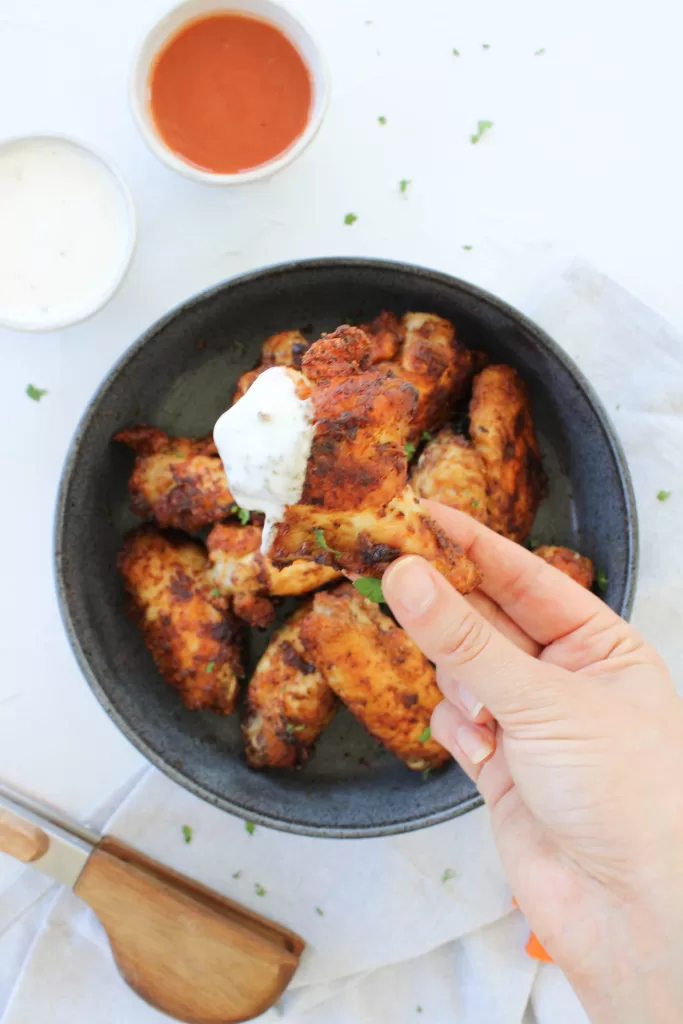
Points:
(140, 65)
(61, 511)
(131, 222)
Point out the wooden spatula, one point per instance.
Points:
(188, 951)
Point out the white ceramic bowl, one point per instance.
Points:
(190, 10)
(94, 293)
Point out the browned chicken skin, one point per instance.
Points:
(571, 563)
(288, 701)
(177, 481)
(502, 432)
(240, 570)
(450, 470)
(356, 511)
(192, 636)
(284, 349)
(378, 672)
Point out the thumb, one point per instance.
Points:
(466, 649)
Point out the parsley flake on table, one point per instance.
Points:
(35, 393)
(664, 495)
(211, 666)
(425, 735)
(425, 436)
(237, 874)
(382, 120)
(601, 580)
(371, 588)
(409, 449)
(241, 513)
(537, 53)
(250, 827)
(187, 833)
(418, 1009)
(447, 875)
(456, 53)
(486, 46)
(482, 128)
(467, 248)
(403, 185)
(320, 912)
(350, 218)
(258, 889)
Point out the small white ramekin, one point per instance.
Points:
(169, 26)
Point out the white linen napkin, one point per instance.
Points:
(394, 941)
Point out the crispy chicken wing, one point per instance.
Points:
(284, 349)
(356, 511)
(288, 701)
(242, 572)
(192, 636)
(177, 481)
(451, 470)
(502, 432)
(386, 334)
(377, 670)
(571, 563)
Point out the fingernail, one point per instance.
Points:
(474, 744)
(471, 705)
(412, 586)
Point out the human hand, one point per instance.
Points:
(569, 723)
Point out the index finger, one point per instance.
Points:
(539, 598)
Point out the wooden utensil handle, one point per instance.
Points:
(186, 950)
(21, 839)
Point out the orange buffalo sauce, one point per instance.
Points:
(229, 92)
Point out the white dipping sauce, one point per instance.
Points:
(264, 441)
(66, 232)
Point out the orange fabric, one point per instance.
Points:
(536, 950)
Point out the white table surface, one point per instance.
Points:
(585, 156)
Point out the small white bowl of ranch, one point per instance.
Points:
(67, 232)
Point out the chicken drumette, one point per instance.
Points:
(451, 470)
(177, 481)
(194, 639)
(571, 563)
(284, 349)
(377, 671)
(288, 701)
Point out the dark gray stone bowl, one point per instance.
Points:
(180, 376)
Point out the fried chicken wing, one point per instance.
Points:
(377, 671)
(193, 638)
(288, 701)
(240, 570)
(451, 470)
(284, 349)
(386, 333)
(177, 481)
(571, 563)
(502, 432)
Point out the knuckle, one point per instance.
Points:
(466, 639)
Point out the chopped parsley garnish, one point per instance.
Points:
(425, 436)
(663, 495)
(320, 912)
(258, 889)
(537, 53)
(250, 827)
(467, 248)
(426, 774)
(448, 874)
(350, 218)
(456, 53)
(35, 393)
(237, 874)
(382, 120)
(486, 46)
(371, 588)
(410, 449)
(601, 580)
(241, 513)
(215, 592)
(403, 185)
(425, 735)
(322, 543)
(178, 455)
(474, 503)
(187, 833)
(482, 128)
(294, 728)
(211, 666)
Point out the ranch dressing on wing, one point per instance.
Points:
(264, 442)
(64, 232)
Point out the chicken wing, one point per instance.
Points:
(193, 638)
(356, 511)
(242, 572)
(386, 333)
(451, 470)
(177, 481)
(502, 432)
(571, 563)
(284, 349)
(378, 672)
(288, 701)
